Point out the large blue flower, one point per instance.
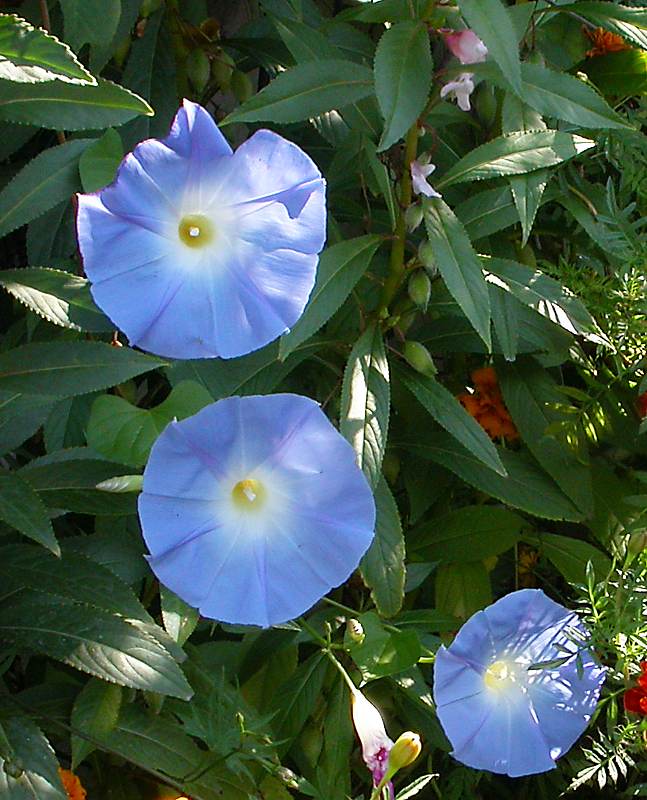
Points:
(498, 712)
(195, 251)
(254, 508)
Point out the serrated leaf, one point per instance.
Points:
(57, 296)
(92, 21)
(559, 95)
(30, 55)
(30, 748)
(505, 319)
(459, 265)
(463, 588)
(45, 181)
(22, 509)
(481, 531)
(70, 368)
(448, 412)
(98, 164)
(124, 433)
(630, 23)
(382, 652)
(180, 619)
(307, 90)
(365, 402)
(490, 20)
(340, 268)
(93, 641)
(95, 712)
(382, 568)
(486, 212)
(526, 486)
(515, 154)
(402, 70)
(21, 416)
(296, 698)
(64, 106)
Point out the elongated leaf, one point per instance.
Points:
(296, 698)
(307, 90)
(31, 750)
(623, 74)
(90, 21)
(124, 433)
(515, 154)
(98, 164)
(365, 402)
(21, 508)
(505, 319)
(30, 55)
(95, 712)
(463, 588)
(630, 23)
(483, 213)
(481, 531)
(340, 267)
(93, 641)
(570, 556)
(490, 20)
(382, 652)
(529, 394)
(459, 265)
(64, 106)
(51, 177)
(70, 368)
(448, 412)
(402, 78)
(382, 568)
(180, 619)
(559, 95)
(59, 297)
(21, 416)
(526, 486)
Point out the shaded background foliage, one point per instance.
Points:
(533, 263)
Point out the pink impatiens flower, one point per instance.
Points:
(468, 49)
(376, 744)
(419, 174)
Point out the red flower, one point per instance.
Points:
(635, 699)
(641, 404)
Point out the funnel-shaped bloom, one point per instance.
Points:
(254, 508)
(195, 251)
(466, 46)
(498, 712)
(376, 744)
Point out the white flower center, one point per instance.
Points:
(501, 676)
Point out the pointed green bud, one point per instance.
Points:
(406, 749)
(417, 355)
(222, 68)
(419, 289)
(241, 86)
(198, 69)
(427, 256)
(121, 484)
(413, 217)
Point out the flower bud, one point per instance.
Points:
(355, 631)
(426, 256)
(287, 777)
(413, 217)
(419, 289)
(406, 749)
(198, 69)
(241, 86)
(222, 68)
(417, 355)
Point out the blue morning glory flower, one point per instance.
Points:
(254, 508)
(501, 714)
(196, 251)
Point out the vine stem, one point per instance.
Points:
(47, 25)
(396, 268)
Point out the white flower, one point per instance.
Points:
(421, 185)
(460, 89)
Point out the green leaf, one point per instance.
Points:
(570, 556)
(92, 21)
(402, 78)
(481, 531)
(382, 652)
(448, 412)
(70, 368)
(415, 787)
(529, 394)
(382, 567)
(340, 268)
(622, 74)
(98, 164)
(492, 23)
(333, 775)
(307, 90)
(490, 211)
(64, 106)
(47, 180)
(505, 319)
(296, 698)
(95, 712)
(29, 748)
(366, 402)
(526, 486)
(59, 297)
(515, 154)
(463, 588)
(21, 416)
(124, 433)
(93, 641)
(384, 11)
(30, 55)
(180, 619)
(630, 23)
(22, 509)
(544, 295)
(559, 95)
(459, 265)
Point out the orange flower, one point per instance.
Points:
(485, 380)
(487, 407)
(72, 784)
(605, 42)
(641, 404)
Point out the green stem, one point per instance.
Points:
(347, 679)
(396, 269)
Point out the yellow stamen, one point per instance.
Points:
(500, 675)
(248, 494)
(196, 230)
